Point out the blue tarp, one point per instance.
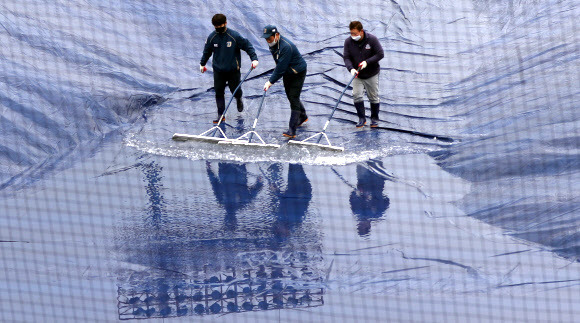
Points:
(468, 187)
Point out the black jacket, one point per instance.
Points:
(225, 48)
(368, 49)
(288, 59)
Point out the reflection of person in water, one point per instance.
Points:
(367, 201)
(231, 189)
(291, 204)
(152, 173)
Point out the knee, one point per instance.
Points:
(357, 97)
(373, 96)
(293, 97)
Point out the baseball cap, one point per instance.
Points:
(269, 31)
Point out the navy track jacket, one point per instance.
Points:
(288, 59)
(225, 48)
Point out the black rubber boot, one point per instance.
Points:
(240, 104)
(360, 112)
(303, 117)
(221, 107)
(292, 124)
(375, 114)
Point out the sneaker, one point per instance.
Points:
(240, 104)
(374, 123)
(361, 122)
(302, 120)
(218, 120)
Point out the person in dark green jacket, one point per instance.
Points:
(291, 68)
(225, 45)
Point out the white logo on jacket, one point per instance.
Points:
(229, 44)
(215, 45)
(368, 46)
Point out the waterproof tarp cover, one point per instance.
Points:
(461, 206)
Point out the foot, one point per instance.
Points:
(289, 134)
(240, 104)
(303, 119)
(374, 123)
(361, 122)
(218, 120)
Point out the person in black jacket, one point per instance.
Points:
(364, 51)
(291, 67)
(225, 45)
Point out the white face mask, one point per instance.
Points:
(355, 38)
(273, 43)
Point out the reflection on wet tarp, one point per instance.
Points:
(231, 189)
(180, 262)
(367, 201)
(261, 288)
(290, 204)
(152, 178)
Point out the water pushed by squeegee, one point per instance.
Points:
(300, 154)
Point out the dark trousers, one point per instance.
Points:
(232, 79)
(293, 86)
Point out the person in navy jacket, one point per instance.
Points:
(225, 45)
(363, 51)
(291, 68)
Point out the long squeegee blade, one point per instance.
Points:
(303, 143)
(249, 144)
(186, 137)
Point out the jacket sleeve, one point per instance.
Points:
(378, 51)
(246, 46)
(348, 63)
(283, 63)
(207, 51)
(255, 189)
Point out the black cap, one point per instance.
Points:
(269, 31)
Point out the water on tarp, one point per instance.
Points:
(468, 187)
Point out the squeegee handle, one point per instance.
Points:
(341, 94)
(257, 115)
(338, 102)
(259, 109)
(233, 95)
(325, 126)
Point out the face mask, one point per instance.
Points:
(221, 29)
(355, 38)
(273, 43)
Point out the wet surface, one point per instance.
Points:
(463, 201)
